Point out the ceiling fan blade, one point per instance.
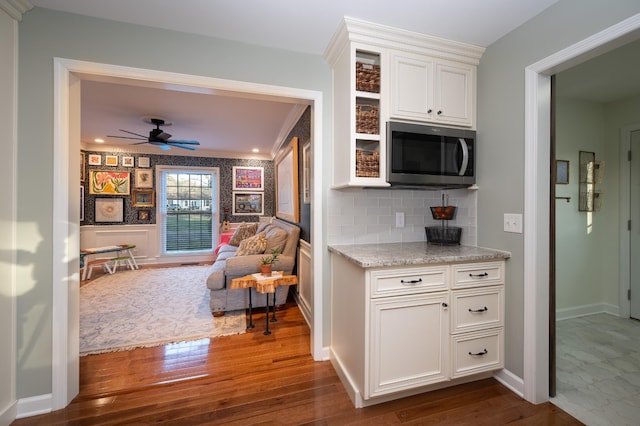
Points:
(131, 133)
(162, 145)
(190, 148)
(127, 137)
(183, 141)
(140, 143)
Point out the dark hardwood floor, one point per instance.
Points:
(253, 379)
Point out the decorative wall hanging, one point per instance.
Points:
(287, 182)
(83, 168)
(144, 162)
(127, 161)
(144, 215)
(81, 203)
(95, 160)
(143, 198)
(248, 178)
(144, 178)
(109, 210)
(306, 173)
(109, 183)
(248, 203)
(591, 172)
(562, 172)
(110, 160)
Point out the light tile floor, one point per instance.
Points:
(598, 369)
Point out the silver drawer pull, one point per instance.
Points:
(483, 353)
(479, 275)
(478, 311)
(412, 282)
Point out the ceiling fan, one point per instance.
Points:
(159, 137)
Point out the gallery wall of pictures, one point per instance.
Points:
(120, 188)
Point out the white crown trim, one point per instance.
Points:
(15, 8)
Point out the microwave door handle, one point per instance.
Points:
(465, 156)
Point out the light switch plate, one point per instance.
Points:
(513, 223)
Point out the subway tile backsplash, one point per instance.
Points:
(365, 216)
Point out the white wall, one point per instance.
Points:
(8, 116)
(587, 243)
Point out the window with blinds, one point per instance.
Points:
(187, 210)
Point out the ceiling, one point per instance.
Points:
(221, 123)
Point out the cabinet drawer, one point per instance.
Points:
(477, 309)
(478, 274)
(392, 282)
(477, 352)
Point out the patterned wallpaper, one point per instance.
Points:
(225, 184)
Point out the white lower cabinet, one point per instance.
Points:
(408, 342)
(402, 330)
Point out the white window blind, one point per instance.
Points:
(187, 210)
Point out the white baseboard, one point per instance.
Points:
(34, 405)
(511, 381)
(584, 310)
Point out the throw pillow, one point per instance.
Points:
(276, 238)
(244, 231)
(253, 245)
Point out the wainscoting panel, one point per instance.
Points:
(305, 281)
(143, 236)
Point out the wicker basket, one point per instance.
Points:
(367, 119)
(443, 236)
(367, 163)
(367, 77)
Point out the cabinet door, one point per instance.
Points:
(408, 343)
(454, 94)
(411, 87)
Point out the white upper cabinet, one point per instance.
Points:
(431, 90)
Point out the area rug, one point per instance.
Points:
(150, 307)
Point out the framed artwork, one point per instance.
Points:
(143, 197)
(562, 172)
(287, 182)
(248, 178)
(144, 178)
(127, 161)
(144, 162)
(109, 210)
(306, 173)
(110, 160)
(95, 159)
(103, 182)
(144, 214)
(81, 203)
(248, 203)
(83, 167)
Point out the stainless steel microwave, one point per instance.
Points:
(420, 155)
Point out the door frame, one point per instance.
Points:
(625, 206)
(537, 193)
(66, 142)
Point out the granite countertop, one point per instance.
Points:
(417, 253)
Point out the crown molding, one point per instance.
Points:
(15, 8)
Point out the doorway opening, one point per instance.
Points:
(67, 77)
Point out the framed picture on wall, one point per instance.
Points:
(144, 178)
(144, 162)
(81, 203)
(144, 215)
(248, 203)
(109, 210)
(83, 167)
(143, 198)
(127, 161)
(110, 160)
(287, 182)
(306, 173)
(248, 178)
(562, 171)
(95, 159)
(102, 182)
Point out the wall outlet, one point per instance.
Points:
(513, 223)
(399, 219)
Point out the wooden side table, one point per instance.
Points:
(265, 285)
